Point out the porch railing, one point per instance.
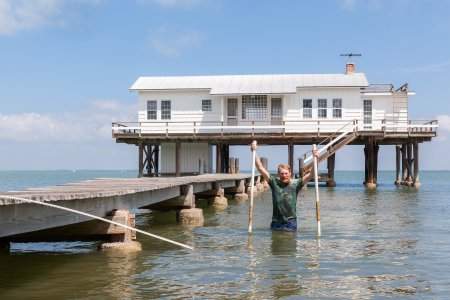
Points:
(319, 127)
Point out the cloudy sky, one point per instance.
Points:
(66, 65)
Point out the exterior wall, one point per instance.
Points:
(186, 109)
(186, 106)
(351, 108)
(190, 155)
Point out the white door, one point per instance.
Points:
(275, 111)
(232, 107)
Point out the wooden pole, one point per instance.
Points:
(218, 158)
(252, 184)
(375, 162)
(177, 159)
(404, 162)
(397, 164)
(291, 157)
(330, 166)
(301, 164)
(157, 160)
(409, 163)
(316, 182)
(141, 160)
(416, 164)
(366, 164)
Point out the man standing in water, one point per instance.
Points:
(284, 194)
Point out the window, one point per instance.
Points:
(337, 108)
(307, 108)
(206, 105)
(254, 107)
(151, 110)
(322, 105)
(165, 110)
(367, 106)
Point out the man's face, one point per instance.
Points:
(285, 175)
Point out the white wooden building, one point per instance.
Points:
(286, 104)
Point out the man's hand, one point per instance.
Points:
(316, 153)
(253, 146)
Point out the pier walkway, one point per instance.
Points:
(19, 221)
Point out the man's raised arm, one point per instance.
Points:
(259, 164)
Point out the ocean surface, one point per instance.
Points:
(391, 243)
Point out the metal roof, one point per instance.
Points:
(250, 84)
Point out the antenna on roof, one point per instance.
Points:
(350, 55)
(350, 66)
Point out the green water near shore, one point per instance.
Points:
(390, 243)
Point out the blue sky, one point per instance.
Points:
(66, 65)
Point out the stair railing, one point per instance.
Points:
(333, 139)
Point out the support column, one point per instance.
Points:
(376, 150)
(218, 158)
(371, 179)
(120, 238)
(409, 164)
(404, 163)
(191, 215)
(291, 157)
(240, 191)
(177, 159)
(330, 166)
(232, 165)
(219, 201)
(366, 163)
(301, 165)
(397, 164)
(141, 160)
(416, 165)
(156, 160)
(225, 158)
(148, 160)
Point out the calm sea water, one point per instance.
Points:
(390, 243)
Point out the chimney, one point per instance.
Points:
(349, 68)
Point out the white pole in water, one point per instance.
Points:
(98, 218)
(316, 183)
(252, 183)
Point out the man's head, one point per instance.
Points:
(284, 172)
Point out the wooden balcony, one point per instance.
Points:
(298, 132)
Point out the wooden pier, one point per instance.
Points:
(112, 198)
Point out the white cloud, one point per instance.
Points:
(444, 122)
(91, 124)
(18, 15)
(172, 43)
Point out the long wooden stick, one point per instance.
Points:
(316, 183)
(252, 183)
(96, 217)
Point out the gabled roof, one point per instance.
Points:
(249, 84)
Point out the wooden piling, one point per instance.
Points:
(236, 168)
(141, 160)
(371, 163)
(416, 164)
(291, 157)
(404, 163)
(409, 177)
(331, 166)
(301, 164)
(366, 163)
(156, 160)
(177, 159)
(375, 171)
(232, 165)
(218, 158)
(397, 164)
